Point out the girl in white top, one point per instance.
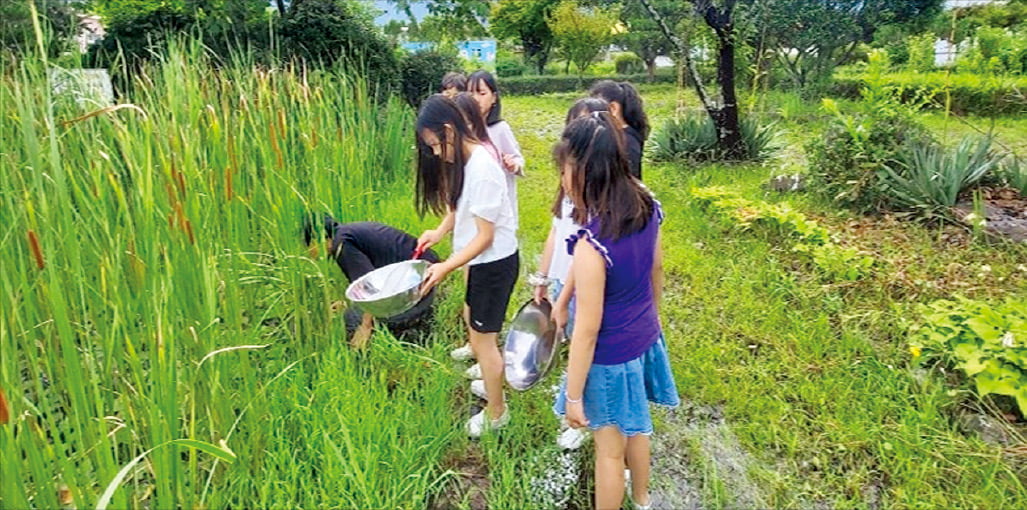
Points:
(458, 177)
(483, 85)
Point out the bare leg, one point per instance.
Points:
(491, 361)
(610, 450)
(638, 462)
(363, 332)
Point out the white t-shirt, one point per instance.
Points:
(564, 227)
(485, 196)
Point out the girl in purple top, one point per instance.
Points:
(618, 358)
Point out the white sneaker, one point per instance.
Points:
(478, 389)
(462, 353)
(474, 372)
(478, 424)
(570, 439)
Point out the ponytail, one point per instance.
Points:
(625, 94)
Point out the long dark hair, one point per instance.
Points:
(602, 186)
(496, 113)
(630, 102)
(581, 107)
(469, 107)
(439, 183)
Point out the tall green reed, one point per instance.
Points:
(140, 240)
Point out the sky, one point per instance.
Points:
(419, 8)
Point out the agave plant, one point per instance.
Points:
(694, 138)
(930, 178)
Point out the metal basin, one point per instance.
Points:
(390, 290)
(531, 345)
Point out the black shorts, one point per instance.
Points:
(489, 287)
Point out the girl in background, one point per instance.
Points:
(482, 86)
(457, 177)
(453, 83)
(627, 109)
(618, 358)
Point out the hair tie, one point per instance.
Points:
(596, 114)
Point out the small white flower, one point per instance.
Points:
(985, 268)
(1021, 268)
(1008, 340)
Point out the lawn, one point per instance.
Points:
(155, 289)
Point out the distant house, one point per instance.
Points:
(945, 52)
(481, 51)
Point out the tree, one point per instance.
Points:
(724, 113)
(581, 33)
(811, 37)
(526, 21)
(449, 20)
(17, 34)
(643, 37)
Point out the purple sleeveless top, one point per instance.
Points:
(630, 324)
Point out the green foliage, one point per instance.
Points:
(643, 36)
(965, 93)
(17, 35)
(994, 51)
(628, 63)
(920, 53)
(848, 161)
(812, 37)
(581, 33)
(693, 138)
(988, 342)
(507, 66)
(813, 242)
(133, 39)
(532, 84)
(526, 21)
(961, 24)
(422, 72)
(328, 31)
(1013, 173)
(930, 179)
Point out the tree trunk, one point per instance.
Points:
(650, 69)
(729, 133)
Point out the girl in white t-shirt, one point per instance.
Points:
(457, 177)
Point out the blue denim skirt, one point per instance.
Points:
(619, 395)
(554, 292)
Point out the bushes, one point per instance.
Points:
(969, 93)
(327, 31)
(694, 138)
(509, 66)
(422, 73)
(847, 162)
(628, 63)
(532, 85)
(930, 178)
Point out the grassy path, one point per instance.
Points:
(800, 393)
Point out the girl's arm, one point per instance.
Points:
(432, 237)
(563, 301)
(482, 240)
(657, 277)
(543, 267)
(513, 160)
(589, 270)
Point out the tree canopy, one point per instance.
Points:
(581, 33)
(526, 21)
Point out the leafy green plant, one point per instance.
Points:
(1013, 173)
(847, 162)
(988, 342)
(921, 52)
(813, 241)
(421, 74)
(931, 178)
(628, 63)
(507, 66)
(694, 138)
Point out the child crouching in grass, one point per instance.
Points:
(458, 177)
(618, 358)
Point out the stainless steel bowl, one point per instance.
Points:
(531, 345)
(390, 290)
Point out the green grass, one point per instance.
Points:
(171, 233)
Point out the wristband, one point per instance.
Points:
(571, 400)
(538, 279)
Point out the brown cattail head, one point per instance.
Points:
(5, 413)
(37, 253)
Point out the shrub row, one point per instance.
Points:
(970, 93)
(813, 242)
(531, 85)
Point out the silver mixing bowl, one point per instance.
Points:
(531, 345)
(390, 290)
